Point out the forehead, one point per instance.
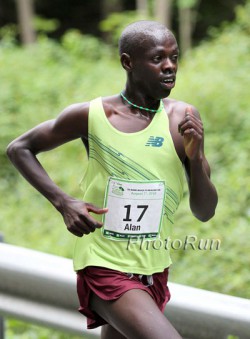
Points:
(155, 41)
(142, 36)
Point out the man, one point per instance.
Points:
(137, 143)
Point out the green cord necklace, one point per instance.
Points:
(140, 107)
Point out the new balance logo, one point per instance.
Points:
(155, 141)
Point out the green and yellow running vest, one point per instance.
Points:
(139, 176)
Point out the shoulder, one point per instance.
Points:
(111, 104)
(176, 109)
(74, 113)
(76, 109)
(73, 119)
(75, 116)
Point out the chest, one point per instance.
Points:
(134, 123)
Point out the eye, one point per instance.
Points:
(174, 57)
(157, 58)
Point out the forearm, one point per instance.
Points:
(31, 169)
(203, 195)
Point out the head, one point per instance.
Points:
(149, 50)
(136, 35)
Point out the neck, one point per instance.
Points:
(139, 101)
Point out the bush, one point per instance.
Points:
(214, 78)
(41, 80)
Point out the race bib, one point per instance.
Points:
(134, 209)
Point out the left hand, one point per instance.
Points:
(191, 129)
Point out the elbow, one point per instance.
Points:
(207, 213)
(206, 216)
(12, 150)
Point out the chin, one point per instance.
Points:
(165, 94)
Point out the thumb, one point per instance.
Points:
(188, 110)
(96, 210)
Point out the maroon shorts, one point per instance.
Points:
(109, 284)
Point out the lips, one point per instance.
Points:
(168, 81)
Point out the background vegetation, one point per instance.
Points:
(39, 81)
(86, 15)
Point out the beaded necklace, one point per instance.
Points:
(140, 107)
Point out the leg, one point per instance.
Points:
(108, 332)
(135, 315)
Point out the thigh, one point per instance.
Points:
(135, 315)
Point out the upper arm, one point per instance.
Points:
(72, 123)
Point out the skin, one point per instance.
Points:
(131, 315)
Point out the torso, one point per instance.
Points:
(127, 121)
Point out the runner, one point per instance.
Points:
(138, 143)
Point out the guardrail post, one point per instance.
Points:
(2, 323)
(2, 328)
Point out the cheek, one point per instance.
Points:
(152, 72)
(146, 74)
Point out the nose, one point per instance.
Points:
(168, 65)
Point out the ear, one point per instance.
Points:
(126, 62)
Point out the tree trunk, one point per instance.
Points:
(163, 12)
(25, 12)
(142, 7)
(109, 6)
(185, 29)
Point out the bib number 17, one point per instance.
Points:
(128, 212)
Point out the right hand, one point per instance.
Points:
(77, 218)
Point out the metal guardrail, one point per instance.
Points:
(40, 288)
(2, 323)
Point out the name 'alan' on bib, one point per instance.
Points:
(135, 208)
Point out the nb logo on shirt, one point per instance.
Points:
(155, 141)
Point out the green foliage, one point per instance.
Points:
(186, 3)
(39, 81)
(242, 14)
(84, 46)
(20, 330)
(241, 23)
(214, 78)
(114, 24)
(42, 25)
(8, 36)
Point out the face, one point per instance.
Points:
(154, 66)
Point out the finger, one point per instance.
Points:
(96, 210)
(101, 210)
(193, 133)
(192, 118)
(189, 125)
(75, 231)
(190, 128)
(82, 227)
(90, 222)
(189, 110)
(191, 122)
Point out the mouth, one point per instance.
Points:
(168, 82)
